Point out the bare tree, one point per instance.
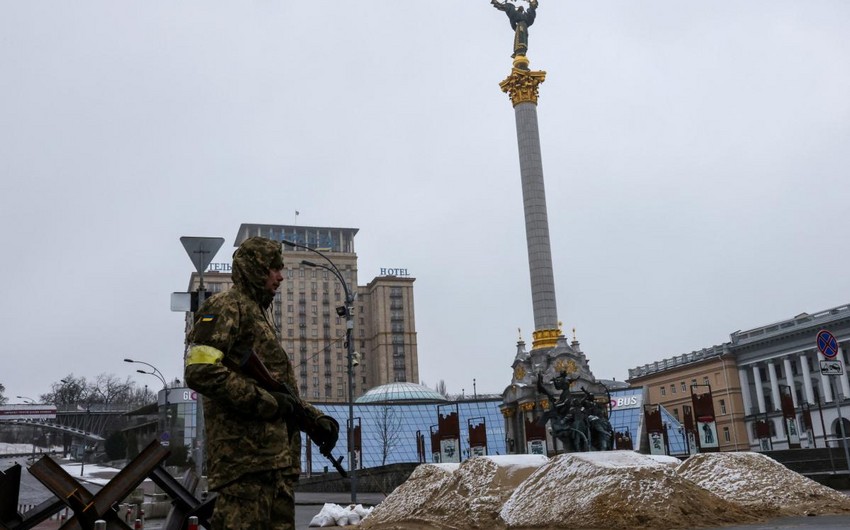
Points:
(441, 388)
(68, 391)
(389, 423)
(105, 389)
(3, 399)
(141, 395)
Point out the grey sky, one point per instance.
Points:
(695, 157)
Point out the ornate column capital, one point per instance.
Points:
(545, 338)
(522, 85)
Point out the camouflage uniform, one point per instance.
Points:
(253, 455)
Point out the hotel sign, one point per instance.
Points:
(219, 267)
(393, 272)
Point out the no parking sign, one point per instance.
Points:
(828, 347)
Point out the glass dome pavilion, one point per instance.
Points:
(401, 392)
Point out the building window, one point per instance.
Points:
(684, 387)
(705, 381)
(676, 414)
(663, 391)
(672, 389)
(723, 408)
(726, 434)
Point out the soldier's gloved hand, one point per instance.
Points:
(326, 433)
(285, 404)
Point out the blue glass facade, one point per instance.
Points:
(389, 431)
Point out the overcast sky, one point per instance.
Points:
(695, 156)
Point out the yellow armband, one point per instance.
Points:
(204, 355)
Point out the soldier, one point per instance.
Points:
(252, 435)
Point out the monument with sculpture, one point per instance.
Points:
(578, 417)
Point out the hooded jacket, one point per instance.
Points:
(243, 431)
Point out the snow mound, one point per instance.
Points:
(666, 460)
(470, 497)
(761, 484)
(614, 490)
(411, 496)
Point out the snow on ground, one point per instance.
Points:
(611, 490)
(761, 484)
(92, 473)
(614, 490)
(666, 460)
(410, 497)
(466, 498)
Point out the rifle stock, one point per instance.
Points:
(253, 367)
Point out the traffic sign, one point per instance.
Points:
(835, 367)
(827, 344)
(201, 250)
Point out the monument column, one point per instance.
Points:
(522, 87)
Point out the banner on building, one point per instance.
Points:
(477, 428)
(764, 434)
(690, 430)
(536, 447)
(654, 430)
(435, 444)
(790, 417)
(706, 426)
(707, 429)
(450, 450)
(449, 429)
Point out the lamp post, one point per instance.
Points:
(27, 400)
(85, 449)
(346, 311)
(156, 373)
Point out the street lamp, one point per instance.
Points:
(346, 311)
(156, 373)
(27, 400)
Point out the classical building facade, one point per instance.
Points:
(783, 358)
(670, 382)
(754, 373)
(304, 313)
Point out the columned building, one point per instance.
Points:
(305, 313)
(782, 358)
(778, 397)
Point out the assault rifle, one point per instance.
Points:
(252, 366)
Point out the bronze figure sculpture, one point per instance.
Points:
(577, 420)
(520, 19)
